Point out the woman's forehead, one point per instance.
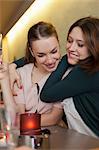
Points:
(45, 43)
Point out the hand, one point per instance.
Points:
(14, 77)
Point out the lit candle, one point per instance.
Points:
(30, 124)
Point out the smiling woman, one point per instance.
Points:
(42, 57)
(76, 46)
(79, 90)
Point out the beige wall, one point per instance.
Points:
(61, 13)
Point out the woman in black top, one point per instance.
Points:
(79, 90)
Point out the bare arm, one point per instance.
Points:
(5, 85)
(7, 93)
(52, 118)
(8, 98)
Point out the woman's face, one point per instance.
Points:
(47, 54)
(76, 46)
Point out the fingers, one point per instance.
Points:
(14, 77)
(18, 81)
(12, 82)
(14, 93)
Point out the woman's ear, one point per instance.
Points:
(30, 49)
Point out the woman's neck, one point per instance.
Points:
(37, 74)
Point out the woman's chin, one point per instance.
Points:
(51, 69)
(72, 61)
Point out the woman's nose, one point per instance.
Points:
(49, 59)
(73, 47)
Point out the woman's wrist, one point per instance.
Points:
(12, 66)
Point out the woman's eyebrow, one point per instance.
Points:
(40, 53)
(80, 40)
(50, 51)
(54, 48)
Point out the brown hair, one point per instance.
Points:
(36, 32)
(90, 29)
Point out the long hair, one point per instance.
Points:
(37, 32)
(90, 29)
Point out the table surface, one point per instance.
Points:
(62, 139)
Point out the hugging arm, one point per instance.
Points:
(20, 62)
(52, 118)
(75, 83)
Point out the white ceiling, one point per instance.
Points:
(10, 12)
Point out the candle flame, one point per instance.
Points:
(30, 125)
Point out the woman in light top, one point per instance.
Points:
(79, 90)
(42, 57)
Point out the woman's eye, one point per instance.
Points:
(80, 45)
(69, 40)
(41, 55)
(53, 52)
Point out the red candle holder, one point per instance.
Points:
(30, 124)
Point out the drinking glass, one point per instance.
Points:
(11, 136)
